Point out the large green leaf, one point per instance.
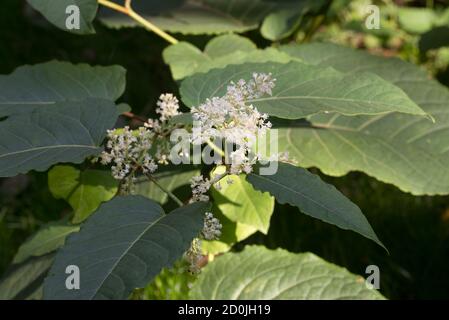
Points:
(84, 190)
(23, 280)
(240, 203)
(122, 246)
(185, 59)
(29, 87)
(63, 132)
(298, 187)
(303, 90)
(258, 273)
(55, 12)
(45, 240)
(200, 16)
(409, 152)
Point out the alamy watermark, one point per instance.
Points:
(372, 21)
(373, 280)
(72, 282)
(73, 19)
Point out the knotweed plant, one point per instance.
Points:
(237, 140)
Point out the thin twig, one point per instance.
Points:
(215, 148)
(113, 6)
(147, 24)
(134, 116)
(171, 195)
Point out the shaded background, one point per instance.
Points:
(415, 229)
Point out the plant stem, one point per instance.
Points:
(128, 10)
(171, 195)
(214, 147)
(113, 6)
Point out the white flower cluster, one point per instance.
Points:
(127, 150)
(235, 121)
(199, 187)
(168, 106)
(212, 227)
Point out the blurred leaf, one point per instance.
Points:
(409, 152)
(130, 240)
(416, 20)
(61, 132)
(123, 107)
(55, 12)
(302, 90)
(84, 190)
(258, 273)
(47, 239)
(30, 87)
(21, 280)
(281, 24)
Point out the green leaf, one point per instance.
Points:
(83, 190)
(302, 90)
(63, 132)
(123, 107)
(231, 233)
(129, 240)
(55, 12)
(182, 118)
(240, 57)
(226, 44)
(298, 187)
(416, 20)
(240, 203)
(20, 281)
(258, 273)
(45, 240)
(282, 23)
(170, 180)
(30, 87)
(409, 152)
(200, 16)
(185, 59)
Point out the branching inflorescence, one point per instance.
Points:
(230, 118)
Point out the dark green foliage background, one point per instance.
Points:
(415, 229)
